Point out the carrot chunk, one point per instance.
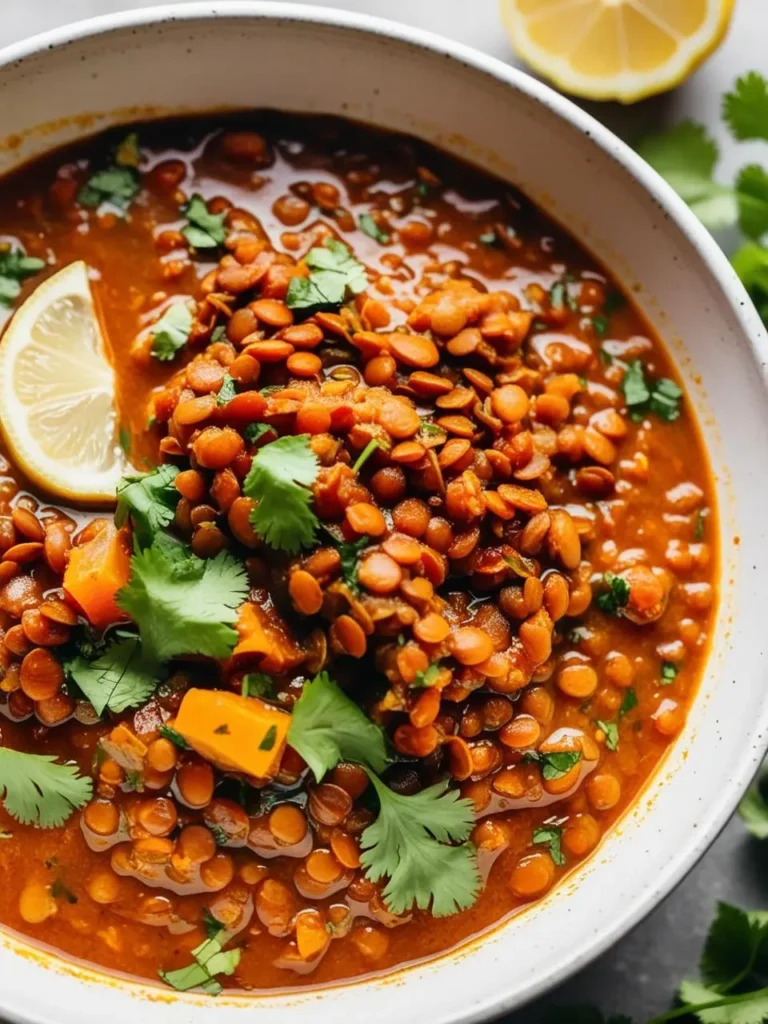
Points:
(95, 573)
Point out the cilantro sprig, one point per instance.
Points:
(15, 267)
(209, 959)
(334, 276)
(37, 790)
(279, 481)
(551, 836)
(554, 764)
(686, 155)
(182, 604)
(643, 396)
(615, 597)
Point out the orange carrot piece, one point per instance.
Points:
(95, 573)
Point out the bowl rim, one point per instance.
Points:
(672, 207)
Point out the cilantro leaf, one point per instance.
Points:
(182, 604)
(203, 230)
(611, 731)
(327, 727)
(735, 941)
(617, 595)
(116, 184)
(254, 431)
(149, 500)
(745, 107)
(175, 737)
(636, 392)
(750, 1008)
(752, 198)
(668, 672)
(171, 331)
(427, 676)
(551, 836)
(665, 399)
(258, 684)
(555, 764)
(686, 156)
(38, 790)
(15, 266)
(119, 678)
(364, 455)
(629, 702)
(227, 391)
(334, 275)
(349, 552)
(489, 238)
(751, 264)
(279, 481)
(408, 843)
(368, 226)
(210, 959)
(600, 325)
(754, 811)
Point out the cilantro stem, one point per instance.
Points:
(364, 455)
(689, 1008)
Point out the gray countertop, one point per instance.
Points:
(639, 975)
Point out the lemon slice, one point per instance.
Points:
(57, 391)
(615, 49)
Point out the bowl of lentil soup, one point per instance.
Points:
(416, 607)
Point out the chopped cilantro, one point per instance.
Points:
(409, 843)
(269, 738)
(124, 439)
(611, 731)
(119, 677)
(668, 673)
(115, 186)
(168, 733)
(15, 266)
(605, 357)
(635, 389)
(551, 836)
(227, 391)
(327, 727)
(59, 891)
(661, 396)
(364, 455)
(255, 431)
(555, 763)
(210, 959)
(258, 684)
(212, 924)
(628, 703)
(334, 275)
(368, 226)
(279, 481)
(149, 500)
(182, 604)
(222, 730)
(349, 552)
(171, 331)
(428, 676)
(39, 791)
(600, 324)
(489, 238)
(430, 429)
(203, 230)
(617, 595)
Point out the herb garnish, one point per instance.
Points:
(555, 763)
(668, 673)
(227, 391)
(279, 481)
(616, 597)
(15, 266)
(116, 184)
(210, 959)
(551, 836)
(119, 677)
(171, 332)
(334, 276)
(168, 733)
(629, 703)
(38, 790)
(258, 684)
(149, 500)
(368, 226)
(203, 230)
(611, 731)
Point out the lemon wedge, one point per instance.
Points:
(57, 390)
(615, 49)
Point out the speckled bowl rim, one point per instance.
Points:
(671, 208)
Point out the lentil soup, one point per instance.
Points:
(415, 602)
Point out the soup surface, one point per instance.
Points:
(418, 601)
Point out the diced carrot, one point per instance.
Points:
(95, 573)
(263, 634)
(242, 734)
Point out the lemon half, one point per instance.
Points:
(58, 392)
(615, 49)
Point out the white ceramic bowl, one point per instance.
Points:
(72, 82)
